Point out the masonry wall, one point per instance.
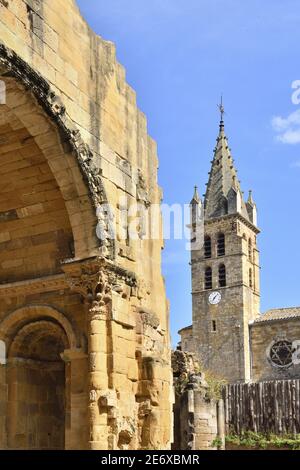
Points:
(196, 421)
(52, 220)
(53, 38)
(263, 335)
(187, 339)
(225, 349)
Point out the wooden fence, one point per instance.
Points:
(265, 407)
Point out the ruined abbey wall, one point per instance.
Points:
(83, 305)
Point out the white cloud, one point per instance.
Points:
(290, 137)
(287, 129)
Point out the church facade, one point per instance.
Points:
(229, 335)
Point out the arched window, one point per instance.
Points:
(208, 278)
(221, 244)
(222, 275)
(207, 247)
(250, 278)
(250, 249)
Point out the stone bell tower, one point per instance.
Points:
(225, 270)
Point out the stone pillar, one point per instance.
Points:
(98, 374)
(101, 283)
(205, 419)
(94, 280)
(76, 424)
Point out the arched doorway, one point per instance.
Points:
(40, 342)
(36, 387)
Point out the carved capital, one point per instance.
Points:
(96, 279)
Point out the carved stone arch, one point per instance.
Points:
(29, 336)
(13, 323)
(70, 158)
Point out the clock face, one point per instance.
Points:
(215, 298)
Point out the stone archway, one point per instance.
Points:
(36, 388)
(49, 196)
(37, 339)
(31, 105)
(16, 320)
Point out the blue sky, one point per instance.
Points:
(180, 55)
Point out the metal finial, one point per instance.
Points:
(221, 108)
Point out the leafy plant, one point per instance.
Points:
(217, 443)
(261, 441)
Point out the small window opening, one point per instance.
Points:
(208, 278)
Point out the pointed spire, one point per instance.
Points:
(196, 197)
(250, 198)
(252, 209)
(196, 209)
(223, 194)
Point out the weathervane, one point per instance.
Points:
(221, 108)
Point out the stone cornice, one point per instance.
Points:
(34, 286)
(231, 286)
(72, 268)
(233, 216)
(96, 263)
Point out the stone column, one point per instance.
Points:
(101, 283)
(94, 283)
(98, 312)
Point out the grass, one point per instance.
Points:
(260, 441)
(215, 385)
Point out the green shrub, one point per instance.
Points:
(261, 441)
(217, 443)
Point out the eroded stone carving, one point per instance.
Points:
(141, 189)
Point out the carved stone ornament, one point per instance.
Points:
(141, 189)
(96, 279)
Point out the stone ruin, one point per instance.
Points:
(199, 422)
